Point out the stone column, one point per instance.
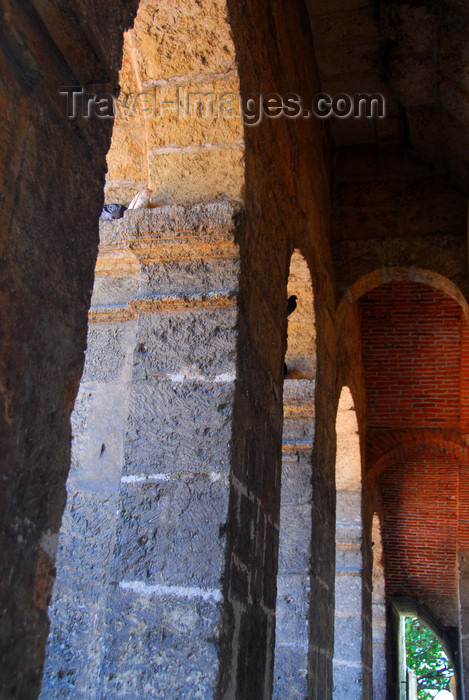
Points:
(348, 663)
(463, 606)
(379, 613)
(154, 597)
(293, 579)
(87, 533)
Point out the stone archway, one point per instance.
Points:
(295, 560)
(349, 670)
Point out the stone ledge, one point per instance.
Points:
(176, 219)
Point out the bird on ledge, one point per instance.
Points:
(291, 304)
(112, 211)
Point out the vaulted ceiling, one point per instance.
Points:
(415, 53)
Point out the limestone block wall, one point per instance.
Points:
(293, 578)
(136, 606)
(178, 126)
(379, 613)
(349, 670)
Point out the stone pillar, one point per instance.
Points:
(139, 592)
(379, 613)
(87, 533)
(293, 579)
(348, 663)
(463, 606)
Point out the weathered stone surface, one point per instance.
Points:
(186, 344)
(163, 646)
(348, 508)
(114, 290)
(190, 277)
(347, 592)
(154, 517)
(291, 682)
(296, 480)
(347, 632)
(348, 558)
(148, 384)
(347, 683)
(160, 411)
(107, 354)
(161, 138)
(294, 550)
(292, 608)
(68, 658)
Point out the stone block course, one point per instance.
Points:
(169, 533)
(157, 439)
(158, 646)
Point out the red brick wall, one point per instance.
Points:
(411, 350)
(416, 365)
(420, 518)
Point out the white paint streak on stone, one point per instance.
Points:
(179, 591)
(347, 664)
(177, 377)
(215, 476)
(197, 148)
(195, 376)
(142, 478)
(227, 377)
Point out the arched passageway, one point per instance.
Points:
(295, 561)
(165, 517)
(416, 367)
(349, 670)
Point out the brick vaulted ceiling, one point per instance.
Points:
(416, 359)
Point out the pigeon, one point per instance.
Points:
(291, 304)
(112, 211)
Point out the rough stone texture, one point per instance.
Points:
(294, 565)
(300, 356)
(297, 217)
(148, 494)
(378, 612)
(163, 647)
(52, 176)
(89, 524)
(173, 56)
(348, 628)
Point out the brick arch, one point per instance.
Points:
(378, 277)
(394, 446)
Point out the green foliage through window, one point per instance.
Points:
(425, 656)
